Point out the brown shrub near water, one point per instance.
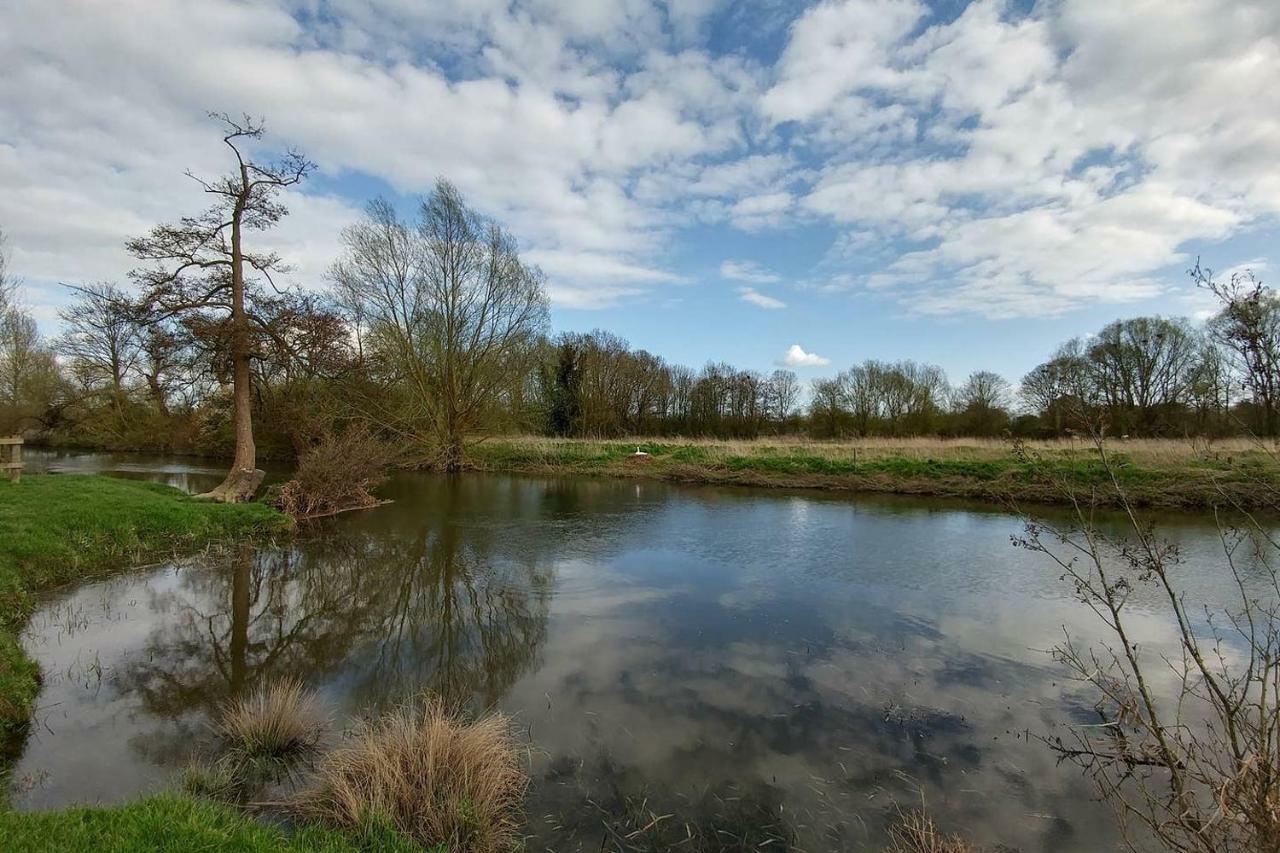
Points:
(429, 775)
(278, 722)
(339, 473)
(915, 832)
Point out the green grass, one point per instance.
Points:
(179, 823)
(1152, 472)
(56, 529)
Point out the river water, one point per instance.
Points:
(757, 664)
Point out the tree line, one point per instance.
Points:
(433, 331)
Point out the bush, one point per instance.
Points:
(339, 473)
(429, 775)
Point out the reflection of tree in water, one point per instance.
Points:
(457, 621)
(389, 614)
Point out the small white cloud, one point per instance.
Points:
(755, 297)
(748, 271)
(797, 357)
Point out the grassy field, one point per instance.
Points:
(1153, 472)
(60, 529)
(179, 823)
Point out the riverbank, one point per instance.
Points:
(175, 823)
(1162, 473)
(58, 529)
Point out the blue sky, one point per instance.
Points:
(966, 183)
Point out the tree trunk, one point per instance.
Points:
(238, 652)
(245, 477)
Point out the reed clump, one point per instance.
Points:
(428, 774)
(915, 832)
(278, 722)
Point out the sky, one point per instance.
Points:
(765, 183)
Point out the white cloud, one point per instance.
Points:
(104, 110)
(748, 271)
(1030, 185)
(797, 357)
(1002, 163)
(762, 300)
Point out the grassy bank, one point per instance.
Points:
(1158, 473)
(59, 529)
(179, 823)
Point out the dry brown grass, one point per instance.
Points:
(915, 832)
(429, 775)
(277, 722)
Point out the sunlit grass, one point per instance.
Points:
(176, 824)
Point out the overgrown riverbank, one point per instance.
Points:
(57, 529)
(1153, 473)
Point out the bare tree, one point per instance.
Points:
(1187, 744)
(197, 268)
(453, 309)
(8, 285)
(1249, 326)
(983, 402)
(102, 339)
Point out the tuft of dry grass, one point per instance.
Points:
(430, 776)
(277, 722)
(915, 832)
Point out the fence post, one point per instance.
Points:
(14, 456)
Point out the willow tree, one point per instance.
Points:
(200, 269)
(453, 314)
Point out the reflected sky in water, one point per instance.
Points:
(783, 665)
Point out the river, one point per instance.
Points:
(763, 663)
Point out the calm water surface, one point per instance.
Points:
(779, 664)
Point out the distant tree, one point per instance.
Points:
(783, 395)
(1248, 325)
(8, 284)
(102, 339)
(453, 309)
(1143, 369)
(827, 408)
(201, 270)
(983, 403)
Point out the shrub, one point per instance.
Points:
(339, 473)
(279, 722)
(431, 776)
(915, 832)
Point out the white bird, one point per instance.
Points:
(639, 452)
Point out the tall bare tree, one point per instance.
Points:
(1249, 326)
(201, 269)
(453, 309)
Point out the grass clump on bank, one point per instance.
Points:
(1176, 474)
(55, 529)
(178, 823)
(428, 775)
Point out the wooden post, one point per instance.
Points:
(14, 463)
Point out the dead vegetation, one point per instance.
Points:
(915, 832)
(338, 474)
(428, 774)
(279, 722)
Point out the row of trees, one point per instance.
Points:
(434, 331)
